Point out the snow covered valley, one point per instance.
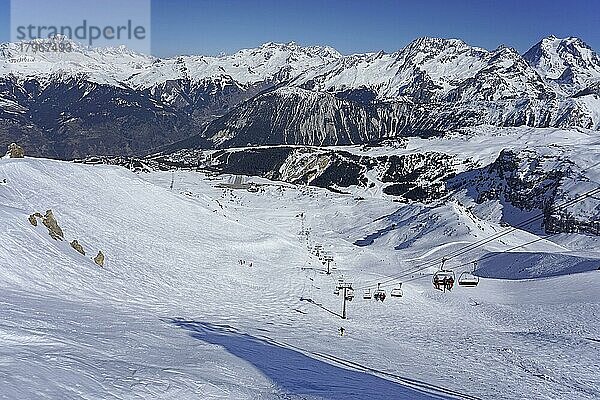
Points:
(208, 291)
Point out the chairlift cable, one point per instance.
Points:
(481, 242)
(490, 255)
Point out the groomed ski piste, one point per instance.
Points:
(211, 293)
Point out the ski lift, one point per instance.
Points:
(379, 294)
(367, 295)
(326, 257)
(318, 250)
(468, 279)
(444, 278)
(340, 282)
(349, 294)
(397, 291)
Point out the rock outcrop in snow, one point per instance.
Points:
(49, 221)
(78, 247)
(15, 151)
(99, 259)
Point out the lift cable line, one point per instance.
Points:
(490, 255)
(474, 245)
(479, 243)
(485, 257)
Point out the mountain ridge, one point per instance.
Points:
(430, 86)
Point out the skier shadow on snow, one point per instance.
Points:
(298, 374)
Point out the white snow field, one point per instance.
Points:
(175, 314)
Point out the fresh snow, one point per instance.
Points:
(173, 314)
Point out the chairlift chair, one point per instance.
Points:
(318, 250)
(340, 281)
(379, 294)
(367, 295)
(397, 291)
(468, 279)
(444, 278)
(349, 294)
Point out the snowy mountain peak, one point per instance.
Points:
(568, 63)
(433, 47)
(62, 46)
(115, 65)
(326, 52)
(435, 42)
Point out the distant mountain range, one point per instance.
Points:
(114, 101)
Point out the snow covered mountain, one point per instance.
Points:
(568, 64)
(429, 87)
(73, 104)
(430, 70)
(123, 67)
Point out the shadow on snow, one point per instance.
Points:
(298, 374)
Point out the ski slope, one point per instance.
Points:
(174, 314)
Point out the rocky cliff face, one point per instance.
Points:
(298, 116)
(528, 183)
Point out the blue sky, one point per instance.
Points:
(214, 26)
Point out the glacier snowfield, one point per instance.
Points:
(175, 314)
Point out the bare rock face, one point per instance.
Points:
(99, 259)
(56, 233)
(33, 218)
(77, 246)
(53, 229)
(15, 151)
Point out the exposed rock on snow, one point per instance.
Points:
(15, 151)
(99, 259)
(77, 246)
(50, 222)
(33, 218)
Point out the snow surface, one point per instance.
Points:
(175, 315)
